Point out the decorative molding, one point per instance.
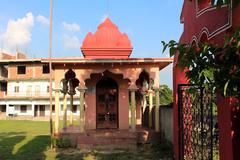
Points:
(219, 30)
(207, 9)
(203, 31)
(194, 38)
(102, 71)
(99, 71)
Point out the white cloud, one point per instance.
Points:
(73, 27)
(70, 42)
(18, 33)
(43, 20)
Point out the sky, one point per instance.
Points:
(24, 26)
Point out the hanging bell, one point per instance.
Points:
(73, 83)
(64, 86)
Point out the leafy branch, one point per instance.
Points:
(209, 65)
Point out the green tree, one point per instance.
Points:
(211, 66)
(166, 95)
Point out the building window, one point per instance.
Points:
(45, 69)
(216, 2)
(205, 4)
(2, 108)
(21, 69)
(48, 89)
(53, 108)
(74, 108)
(202, 4)
(23, 109)
(16, 89)
(3, 86)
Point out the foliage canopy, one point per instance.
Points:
(210, 65)
(166, 95)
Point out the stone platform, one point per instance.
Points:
(108, 138)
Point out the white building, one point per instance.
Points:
(24, 88)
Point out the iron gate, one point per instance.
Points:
(198, 127)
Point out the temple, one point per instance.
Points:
(111, 87)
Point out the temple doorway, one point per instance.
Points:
(107, 104)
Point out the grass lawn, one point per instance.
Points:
(29, 140)
(24, 140)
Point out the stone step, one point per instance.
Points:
(113, 139)
(124, 136)
(107, 140)
(107, 147)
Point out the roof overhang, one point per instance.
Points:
(10, 61)
(161, 62)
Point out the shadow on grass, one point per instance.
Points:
(32, 150)
(73, 154)
(7, 142)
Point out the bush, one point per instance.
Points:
(63, 143)
(163, 147)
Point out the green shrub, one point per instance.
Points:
(163, 147)
(63, 142)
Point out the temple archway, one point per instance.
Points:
(107, 103)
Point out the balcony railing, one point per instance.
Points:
(29, 94)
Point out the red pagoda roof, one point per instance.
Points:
(106, 42)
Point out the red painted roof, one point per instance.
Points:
(106, 42)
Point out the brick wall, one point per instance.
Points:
(34, 71)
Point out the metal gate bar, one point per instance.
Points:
(196, 123)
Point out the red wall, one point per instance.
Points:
(216, 24)
(224, 120)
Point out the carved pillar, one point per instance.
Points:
(71, 110)
(144, 103)
(133, 109)
(144, 106)
(65, 111)
(157, 123)
(82, 90)
(57, 108)
(150, 108)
